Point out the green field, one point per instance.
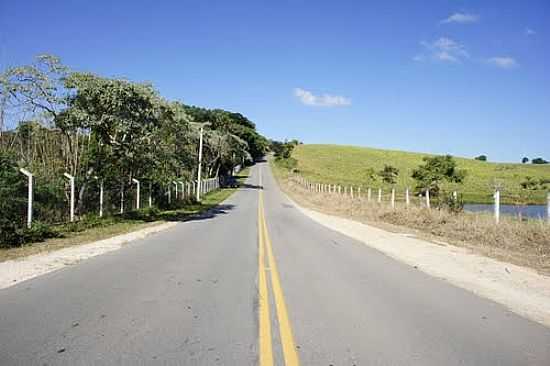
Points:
(347, 165)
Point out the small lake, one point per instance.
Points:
(534, 211)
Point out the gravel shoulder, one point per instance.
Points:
(15, 271)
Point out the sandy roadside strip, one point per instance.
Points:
(520, 289)
(15, 271)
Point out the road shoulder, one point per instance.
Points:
(520, 289)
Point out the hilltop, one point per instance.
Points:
(347, 165)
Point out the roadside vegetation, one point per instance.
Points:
(105, 132)
(522, 242)
(92, 228)
(520, 184)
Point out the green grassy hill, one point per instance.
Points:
(346, 165)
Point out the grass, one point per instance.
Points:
(90, 231)
(347, 165)
(525, 243)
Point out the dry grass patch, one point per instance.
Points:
(525, 243)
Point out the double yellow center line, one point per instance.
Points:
(285, 330)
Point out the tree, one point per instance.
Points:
(282, 150)
(481, 158)
(539, 161)
(435, 171)
(389, 174)
(525, 160)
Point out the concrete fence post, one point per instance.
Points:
(407, 197)
(339, 189)
(497, 206)
(29, 195)
(122, 197)
(150, 194)
(351, 192)
(379, 195)
(101, 198)
(175, 190)
(182, 190)
(393, 198)
(169, 193)
(137, 192)
(428, 198)
(188, 189)
(455, 196)
(359, 192)
(71, 182)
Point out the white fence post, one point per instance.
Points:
(101, 198)
(379, 195)
(182, 190)
(71, 182)
(428, 198)
(393, 198)
(407, 197)
(122, 197)
(169, 193)
(497, 206)
(351, 192)
(455, 196)
(176, 190)
(188, 189)
(30, 195)
(137, 192)
(150, 194)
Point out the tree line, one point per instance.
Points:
(54, 120)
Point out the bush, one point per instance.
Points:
(289, 163)
(37, 232)
(146, 214)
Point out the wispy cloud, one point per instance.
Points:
(324, 100)
(529, 32)
(443, 49)
(504, 62)
(461, 18)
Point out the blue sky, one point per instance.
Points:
(442, 76)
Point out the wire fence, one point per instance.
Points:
(404, 198)
(59, 201)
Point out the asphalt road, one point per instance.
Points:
(256, 282)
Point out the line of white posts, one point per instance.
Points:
(337, 189)
(187, 190)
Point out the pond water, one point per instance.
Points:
(535, 211)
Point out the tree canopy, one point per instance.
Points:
(436, 170)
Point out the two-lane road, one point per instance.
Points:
(256, 283)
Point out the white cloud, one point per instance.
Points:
(461, 18)
(324, 100)
(529, 32)
(443, 49)
(503, 62)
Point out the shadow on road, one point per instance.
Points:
(250, 186)
(211, 213)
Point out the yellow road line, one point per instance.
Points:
(266, 351)
(287, 340)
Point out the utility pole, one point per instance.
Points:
(200, 161)
(200, 166)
